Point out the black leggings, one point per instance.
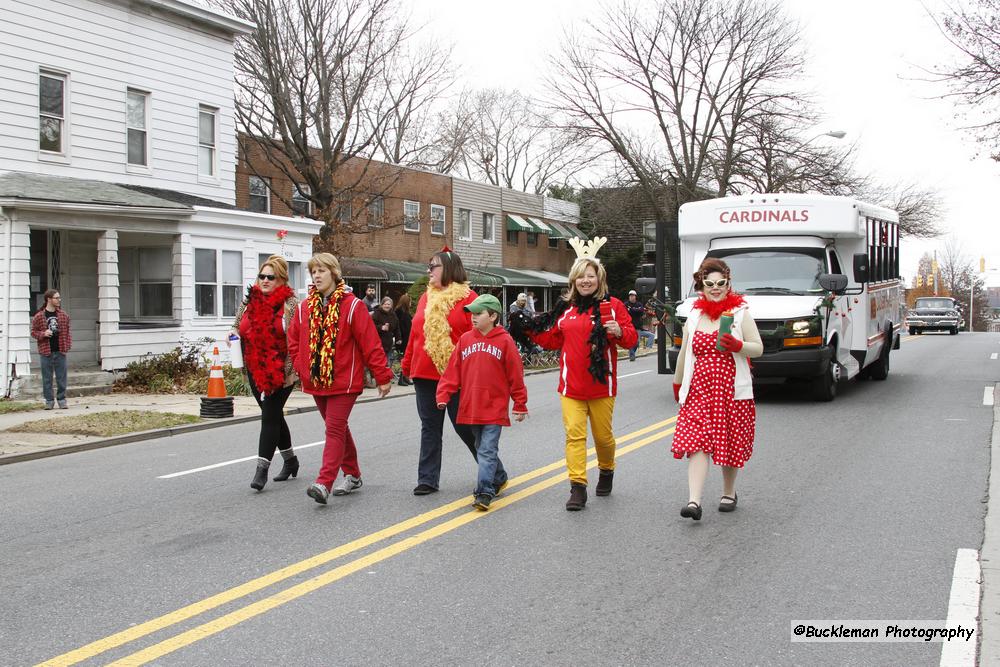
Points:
(273, 428)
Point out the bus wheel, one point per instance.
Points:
(824, 387)
(880, 369)
(954, 331)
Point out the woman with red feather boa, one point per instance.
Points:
(262, 322)
(714, 387)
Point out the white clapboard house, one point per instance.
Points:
(117, 187)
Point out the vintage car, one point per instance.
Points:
(934, 313)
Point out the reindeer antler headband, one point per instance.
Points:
(588, 249)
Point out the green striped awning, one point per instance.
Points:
(543, 227)
(516, 223)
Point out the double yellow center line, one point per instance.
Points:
(263, 605)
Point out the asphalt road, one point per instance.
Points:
(848, 510)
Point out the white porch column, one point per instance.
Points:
(108, 307)
(15, 301)
(183, 284)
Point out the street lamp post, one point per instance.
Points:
(836, 134)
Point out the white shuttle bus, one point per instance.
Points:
(820, 274)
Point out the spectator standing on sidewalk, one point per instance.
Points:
(486, 366)
(586, 328)
(370, 301)
(714, 387)
(262, 324)
(637, 311)
(439, 322)
(405, 322)
(50, 327)
(330, 339)
(387, 325)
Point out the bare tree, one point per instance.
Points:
(920, 209)
(422, 131)
(773, 157)
(670, 89)
(959, 278)
(511, 143)
(973, 29)
(318, 85)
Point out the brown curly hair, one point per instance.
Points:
(710, 265)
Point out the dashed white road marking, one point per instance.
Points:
(631, 374)
(993, 356)
(988, 395)
(229, 463)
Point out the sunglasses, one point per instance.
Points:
(431, 267)
(266, 276)
(722, 282)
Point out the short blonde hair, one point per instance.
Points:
(578, 270)
(327, 260)
(278, 266)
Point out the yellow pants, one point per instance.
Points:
(575, 413)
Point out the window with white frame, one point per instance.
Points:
(649, 236)
(145, 282)
(376, 211)
(260, 194)
(439, 215)
(301, 204)
(465, 224)
(488, 228)
(212, 285)
(294, 270)
(136, 114)
(51, 112)
(207, 118)
(232, 281)
(411, 216)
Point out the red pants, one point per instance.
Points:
(339, 451)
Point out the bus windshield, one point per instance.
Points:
(767, 271)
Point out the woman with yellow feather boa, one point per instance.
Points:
(437, 325)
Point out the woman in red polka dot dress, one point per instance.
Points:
(714, 388)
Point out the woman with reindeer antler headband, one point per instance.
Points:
(586, 326)
(713, 385)
(440, 320)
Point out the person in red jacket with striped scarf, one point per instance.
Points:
(587, 328)
(330, 339)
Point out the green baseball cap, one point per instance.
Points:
(484, 302)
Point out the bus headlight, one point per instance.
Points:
(800, 327)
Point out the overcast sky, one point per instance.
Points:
(863, 59)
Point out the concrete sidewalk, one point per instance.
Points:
(16, 446)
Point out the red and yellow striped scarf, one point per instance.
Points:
(323, 334)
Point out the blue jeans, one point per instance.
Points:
(55, 362)
(432, 430)
(643, 335)
(491, 472)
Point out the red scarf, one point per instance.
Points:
(714, 309)
(265, 346)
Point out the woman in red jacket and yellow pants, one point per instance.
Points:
(587, 327)
(331, 337)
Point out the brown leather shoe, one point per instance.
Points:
(604, 483)
(728, 506)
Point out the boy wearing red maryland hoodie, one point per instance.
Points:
(486, 366)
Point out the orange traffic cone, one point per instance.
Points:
(216, 381)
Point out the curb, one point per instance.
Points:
(139, 436)
(989, 558)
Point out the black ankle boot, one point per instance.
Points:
(289, 468)
(260, 477)
(577, 497)
(604, 483)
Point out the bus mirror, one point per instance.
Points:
(861, 267)
(833, 282)
(646, 287)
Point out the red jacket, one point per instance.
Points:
(40, 324)
(416, 362)
(571, 333)
(488, 371)
(358, 345)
